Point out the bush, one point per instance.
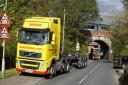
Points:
(124, 78)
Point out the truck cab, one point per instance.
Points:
(38, 45)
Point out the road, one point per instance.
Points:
(97, 73)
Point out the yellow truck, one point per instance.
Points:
(38, 47)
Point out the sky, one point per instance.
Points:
(109, 7)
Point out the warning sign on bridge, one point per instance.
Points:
(4, 33)
(4, 20)
(77, 46)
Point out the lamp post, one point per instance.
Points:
(63, 31)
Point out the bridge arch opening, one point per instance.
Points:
(104, 49)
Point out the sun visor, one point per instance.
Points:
(38, 25)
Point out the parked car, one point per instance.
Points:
(120, 61)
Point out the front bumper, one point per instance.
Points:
(32, 71)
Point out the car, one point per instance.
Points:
(120, 61)
(96, 57)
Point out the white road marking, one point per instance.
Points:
(89, 73)
(83, 79)
(34, 82)
(94, 69)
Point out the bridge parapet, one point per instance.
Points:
(105, 34)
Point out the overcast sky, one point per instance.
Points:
(108, 7)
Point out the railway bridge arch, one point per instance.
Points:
(100, 39)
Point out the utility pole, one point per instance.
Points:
(3, 44)
(63, 32)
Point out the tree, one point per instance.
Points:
(120, 35)
(78, 13)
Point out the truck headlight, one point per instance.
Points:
(42, 65)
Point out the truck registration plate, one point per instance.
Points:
(28, 71)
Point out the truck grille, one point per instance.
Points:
(28, 64)
(29, 54)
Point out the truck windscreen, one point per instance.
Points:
(33, 36)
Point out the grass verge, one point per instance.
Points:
(8, 73)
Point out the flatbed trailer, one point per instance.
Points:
(76, 61)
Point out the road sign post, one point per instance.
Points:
(77, 48)
(4, 35)
(3, 59)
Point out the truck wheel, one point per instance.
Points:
(67, 67)
(82, 64)
(62, 69)
(85, 64)
(52, 72)
(79, 65)
(123, 66)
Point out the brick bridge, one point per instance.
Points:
(99, 38)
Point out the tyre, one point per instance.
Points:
(83, 64)
(123, 66)
(79, 65)
(67, 67)
(62, 68)
(52, 72)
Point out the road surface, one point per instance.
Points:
(97, 73)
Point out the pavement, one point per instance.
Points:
(96, 73)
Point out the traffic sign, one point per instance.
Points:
(77, 46)
(4, 33)
(4, 20)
